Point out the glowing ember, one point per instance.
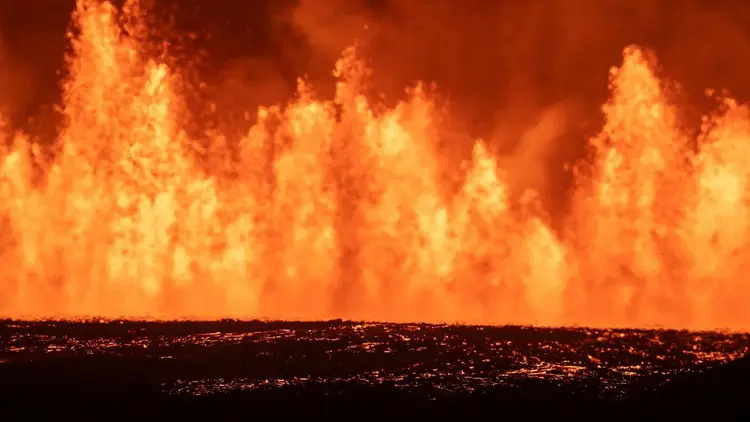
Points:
(341, 209)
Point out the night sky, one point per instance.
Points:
(485, 54)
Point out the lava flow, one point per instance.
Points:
(340, 208)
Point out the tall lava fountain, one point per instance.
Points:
(342, 208)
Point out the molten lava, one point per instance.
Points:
(341, 209)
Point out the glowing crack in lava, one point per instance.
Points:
(348, 215)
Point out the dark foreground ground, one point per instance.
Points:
(232, 370)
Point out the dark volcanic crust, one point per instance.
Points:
(262, 364)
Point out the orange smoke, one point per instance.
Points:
(343, 209)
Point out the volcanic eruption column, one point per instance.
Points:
(125, 215)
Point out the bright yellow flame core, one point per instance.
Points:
(350, 216)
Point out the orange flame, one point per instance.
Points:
(349, 215)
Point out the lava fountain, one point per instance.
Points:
(341, 208)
